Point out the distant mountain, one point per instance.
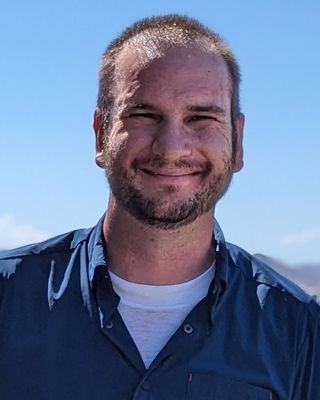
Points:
(306, 276)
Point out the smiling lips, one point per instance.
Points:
(170, 174)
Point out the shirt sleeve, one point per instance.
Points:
(307, 371)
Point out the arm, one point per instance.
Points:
(307, 374)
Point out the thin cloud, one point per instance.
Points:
(302, 237)
(14, 233)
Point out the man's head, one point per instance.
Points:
(169, 134)
(152, 37)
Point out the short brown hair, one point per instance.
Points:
(165, 32)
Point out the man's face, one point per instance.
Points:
(168, 151)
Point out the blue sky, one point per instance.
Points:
(50, 54)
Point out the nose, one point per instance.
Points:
(172, 142)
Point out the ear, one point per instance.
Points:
(238, 157)
(100, 138)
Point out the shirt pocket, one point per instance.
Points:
(209, 386)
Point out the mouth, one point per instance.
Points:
(170, 174)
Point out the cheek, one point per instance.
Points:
(137, 140)
(114, 147)
(141, 131)
(122, 148)
(217, 140)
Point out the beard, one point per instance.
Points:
(167, 214)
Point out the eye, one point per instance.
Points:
(201, 118)
(150, 116)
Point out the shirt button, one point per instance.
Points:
(109, 325)
(146, 385)
(187, 328)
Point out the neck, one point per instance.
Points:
(145, 254)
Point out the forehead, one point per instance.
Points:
(185, 69)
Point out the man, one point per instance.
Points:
(152, 303)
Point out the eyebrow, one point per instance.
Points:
(207, 108)
(141, 106)
(194, 108)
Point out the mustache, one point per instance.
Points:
(183, 164)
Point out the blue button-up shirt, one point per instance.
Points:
(255, 335)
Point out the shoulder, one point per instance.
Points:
(260, 271)
(280, 304)
(65, 243)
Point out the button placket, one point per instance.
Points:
(146, 385)
(109, 325)
(187, 328)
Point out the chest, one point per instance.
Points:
(75, 357)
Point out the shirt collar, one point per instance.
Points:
(97, 251)
(222, 255)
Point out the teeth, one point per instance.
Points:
(157, 174)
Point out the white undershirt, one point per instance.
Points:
(153, 313)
